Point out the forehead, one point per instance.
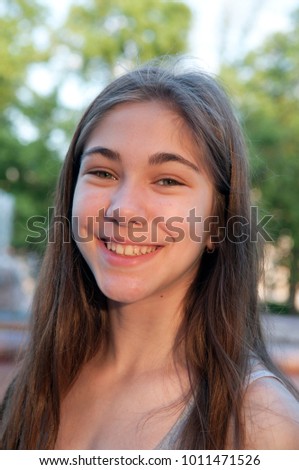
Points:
(144, 112)
(147, 124)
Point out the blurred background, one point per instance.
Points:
(57, 56)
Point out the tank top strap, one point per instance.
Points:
(258, 374)
(170, 439)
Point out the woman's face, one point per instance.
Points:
(139, 203)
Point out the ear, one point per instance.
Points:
(209, 244)
(214, 233)
(210, 247)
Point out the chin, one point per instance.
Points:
(122, 294)
(124, 299)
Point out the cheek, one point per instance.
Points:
(85, 215)
(87, 202)
(189, 222)
(79, 199)
(79, 215)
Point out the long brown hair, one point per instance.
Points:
(221, 327)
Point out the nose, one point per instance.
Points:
(126, 206)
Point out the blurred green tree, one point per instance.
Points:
(96, 36)
(18, 18)
(28, 167)
(105, 33)
(266, 83)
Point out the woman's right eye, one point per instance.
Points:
(102, 174)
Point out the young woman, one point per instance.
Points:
(145, 327)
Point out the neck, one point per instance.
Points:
(143, 334)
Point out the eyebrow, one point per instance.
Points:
(164, 157)
(110, 154)
(156, 159)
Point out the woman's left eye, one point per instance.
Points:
(169, 182)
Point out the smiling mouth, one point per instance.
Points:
(130, 250)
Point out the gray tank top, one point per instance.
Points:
(169, 441)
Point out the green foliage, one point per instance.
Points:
(105, 32)
(278, 309)
(29, 172)
(17, 20)
(27, 168)
(268, 97)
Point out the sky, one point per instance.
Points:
(248, 22)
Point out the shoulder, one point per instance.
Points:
(271, 416)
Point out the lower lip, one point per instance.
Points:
(116, 259)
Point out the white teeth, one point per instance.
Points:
(111, 246)
(120, 249)
(130, 250)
